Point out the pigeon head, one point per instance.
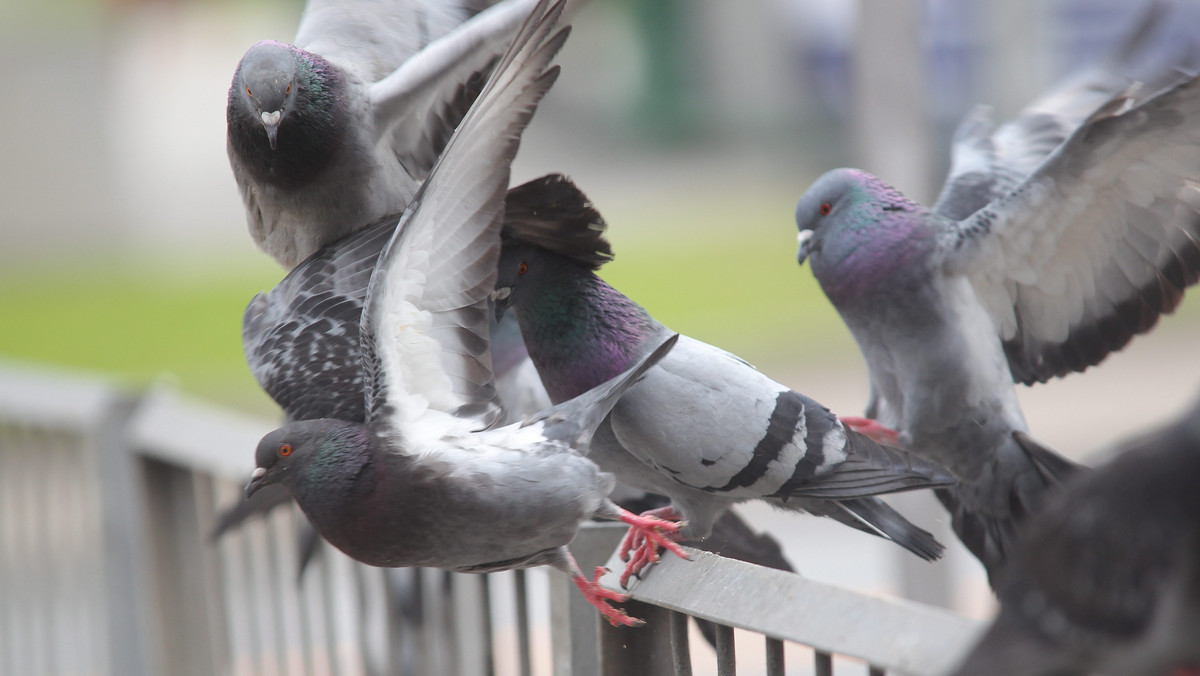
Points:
(309, 452)
(266, 79)
(541, 251)
(286, 113)
(857, 230)
(522, 267)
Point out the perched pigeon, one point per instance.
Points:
(339, 130)
(704, 428)
(426, 480)
(1107, 579)
(1050, 247)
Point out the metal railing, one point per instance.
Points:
(108, 500)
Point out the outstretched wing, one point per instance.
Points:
(424, 329)
(988, 162)
(417, 106)
(301, 337)
(1097, 243)
(372, 38)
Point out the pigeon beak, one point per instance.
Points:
(501, 299)
(271, 124)
(257, 481)
(804, 239)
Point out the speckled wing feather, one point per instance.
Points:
(424, 329)
(988, 162)
(1102, 239)
(301, 338)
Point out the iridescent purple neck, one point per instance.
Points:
(581, 332)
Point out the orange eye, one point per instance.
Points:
(285, 450)
(289, 89)
(522, 268)
(826, 208)
(248, 92)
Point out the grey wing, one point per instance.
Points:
(988, 162)
(710, 421)
(301, 338)
(372, 38)
(424, 329)
(417, 106)
(1097, 243)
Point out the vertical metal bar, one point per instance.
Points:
(774, 649)
(681, 654)
(726, 657)
(452, 664)
(489, 647)
(822, 664)
(524, 657)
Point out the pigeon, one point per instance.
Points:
(703, 428)
(301, 342)
(428, 479)
(337, 131)
(1107, 579)
(1057, 239)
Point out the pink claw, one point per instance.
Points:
(599, 596)
(649, 531)
(872, 430)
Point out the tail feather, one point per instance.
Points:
(872, 515)
(987, 514)
(869, 469)
(575, 420)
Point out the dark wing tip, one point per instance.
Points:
(553, 214)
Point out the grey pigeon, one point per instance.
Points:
(427, 480)
(704, 428)
(1107, 579)
(337, 131)
(1050, 247)
(302, 344)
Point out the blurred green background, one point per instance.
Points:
(693, 125)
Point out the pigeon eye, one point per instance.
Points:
(248, 92)
(289, 89)
(285, 450)
(522, 268)
(826, 207)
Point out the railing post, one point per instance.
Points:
(574, 623)
(134, 646)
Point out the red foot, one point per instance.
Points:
(599, 596)
(649, 531)
(872, 430)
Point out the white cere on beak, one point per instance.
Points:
(271, 118)
(258, 472)
(803, 236)
(501, 293)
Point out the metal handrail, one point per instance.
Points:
(144, 473)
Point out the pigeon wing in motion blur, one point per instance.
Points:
(1058, 238)
(337, 131)
(704, 427)
(1107, 580)
(427, 479)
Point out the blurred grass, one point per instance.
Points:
(727, 276)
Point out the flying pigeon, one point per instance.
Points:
(337, 131)
(427, 480)
(704, 428)
(1107, 579)
(1057, 238)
